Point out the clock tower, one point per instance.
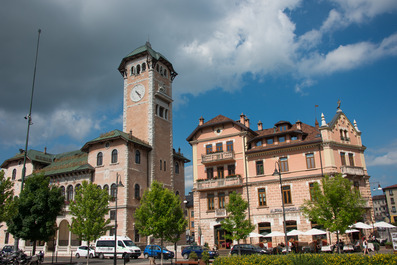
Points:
(147, 111)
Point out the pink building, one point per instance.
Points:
(138, 155)
(228, 155)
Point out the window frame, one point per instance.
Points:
(287, 197)
(262, 197)
(229, 146)
(114, 156)
(351, 159)
(343, 158)
(137, 157)
(99, 159)
(260, 170)
(210, 202)
(219, 147)
(310, 163)
(221, 200)
(208, 149)
(284, 164)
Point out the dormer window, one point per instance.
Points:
(269, 141)
(281, 139)
(294, 138)
(283, 128)
(259, 143)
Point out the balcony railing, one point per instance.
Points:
(349, 170)
(217, 156)
(218, 183)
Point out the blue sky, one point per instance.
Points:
(271, 60)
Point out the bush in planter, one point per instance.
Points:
(389, 245)
(193, 256)
(205, 257)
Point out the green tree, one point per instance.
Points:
(236, 224)
(89, 208)
(7, 203)
(160, 214)
(38, 206)
(335, 206)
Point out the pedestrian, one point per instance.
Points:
(365, 245)
(152, 260)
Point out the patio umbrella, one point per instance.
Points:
(349, 231)
(361, 225)
(295, 233)
(383, 225)
(275, 233)
(315, 232)
(253, 234)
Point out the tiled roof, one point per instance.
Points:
(116, 134)
(391, 187)
(67, 163)
(309, 134)
(32, 155)
(220, 119)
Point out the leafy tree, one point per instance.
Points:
(7, 203)
(89, 208)
(160, 214)
(236, 223)
(38, 206)
(336, 206)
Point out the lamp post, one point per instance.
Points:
(115, 218)
(278, 172)
(378, 188)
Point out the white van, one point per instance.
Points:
(104, 247)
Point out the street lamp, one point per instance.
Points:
(278, 172)
(115, 218)
(378, 188)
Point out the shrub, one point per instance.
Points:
(193, 256)
(205, 257)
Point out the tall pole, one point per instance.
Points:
(115, 222)
(282, 203)
(29, 119)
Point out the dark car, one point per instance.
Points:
(7, 249)
(199, 251)
(155, 251)
(247, 249)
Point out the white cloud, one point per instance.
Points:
(188, 178)
(383, 156)
(347, 57)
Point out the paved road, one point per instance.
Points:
(95, 261)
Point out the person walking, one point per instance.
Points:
(365, 245)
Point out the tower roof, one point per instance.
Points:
(145, 50)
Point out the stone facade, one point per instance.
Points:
(138, 155)
(229, 156)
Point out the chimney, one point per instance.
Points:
(45, 150)
(130, 133)
(201, 121)
(299, 125)
(242, 118)
(247, 122)
(260, 126)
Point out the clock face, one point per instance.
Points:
(137, 93)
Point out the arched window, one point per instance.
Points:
(62, 191)
(132, 70)
(69, 193)
(137, 191)
(99, 187)
(143, 67)
(161, 164)
(113, 191)
(138, 69)
(137, 157)
(106, 187)
(165, 72)
(165, 166)
(176, 167)
(99, 159)
(14, 174)
(177, 193)
(114, 156)
(78, 186)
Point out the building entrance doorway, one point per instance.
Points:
(220, 241)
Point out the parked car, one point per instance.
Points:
(82, 251)
(199, 251)
(247, 249)
(7, 250)
(155, 251)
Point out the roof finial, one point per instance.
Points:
(355, 126)
(338, 108)
(323, 123)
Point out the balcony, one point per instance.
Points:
(216, 157)
(213, 184)
(349, 170)
(219, 213)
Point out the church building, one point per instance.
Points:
(138, 155)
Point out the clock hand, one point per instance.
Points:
(138, 93)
